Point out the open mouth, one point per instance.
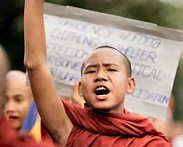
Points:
(13, 117)
(101, 90)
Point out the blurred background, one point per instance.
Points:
(168, 13)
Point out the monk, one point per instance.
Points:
(106, 79)
(18, 98)
(9, 137)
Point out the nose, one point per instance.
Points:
(9, 107)
(101, 76)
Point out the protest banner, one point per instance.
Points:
(154, 51)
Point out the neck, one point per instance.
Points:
(107, 111)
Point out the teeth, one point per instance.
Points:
(101, 88)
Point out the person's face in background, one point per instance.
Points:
(18, 99)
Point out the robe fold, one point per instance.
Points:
(9, 137)
(93, 129)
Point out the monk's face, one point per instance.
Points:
(105, 81)
(18, 100)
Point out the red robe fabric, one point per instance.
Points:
(12, 138)
(111, 130)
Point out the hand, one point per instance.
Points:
(77, 98)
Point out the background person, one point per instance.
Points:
(18, 98)
(9, 137)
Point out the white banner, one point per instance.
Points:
(154, 52)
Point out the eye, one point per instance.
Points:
(112, 69)
(90, 71)
(18, 99)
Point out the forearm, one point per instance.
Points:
(34, 33)
(43, 87)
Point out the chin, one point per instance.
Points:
(107, 108)
(102, 108)
(17, 127)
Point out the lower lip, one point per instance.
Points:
(101, 97)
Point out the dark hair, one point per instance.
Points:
(127, 61)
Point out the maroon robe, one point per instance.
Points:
(91, 129)
(9, 137)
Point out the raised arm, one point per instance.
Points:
(44, 90)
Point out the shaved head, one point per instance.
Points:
(125, 59)
(16, 79)
(15, 76)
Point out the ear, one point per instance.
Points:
(79, 88)
(131, 85)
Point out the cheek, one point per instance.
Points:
(84, 89)
(24, 108)
(86, 85)
(121, 85)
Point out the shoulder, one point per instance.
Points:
(28, 141)
(12, 138)
(159, 141)
(154, 141)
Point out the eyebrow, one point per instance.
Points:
(97, 65)
(16, 95)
